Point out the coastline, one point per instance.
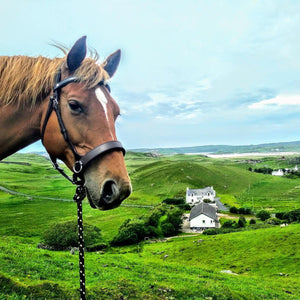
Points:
(255, 154)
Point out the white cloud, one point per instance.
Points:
(278, 101)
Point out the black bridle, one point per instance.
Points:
(79, 166)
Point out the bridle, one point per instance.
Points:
(80, 161)
(79, 166)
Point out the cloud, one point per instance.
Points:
(278, 101)
(184, 103)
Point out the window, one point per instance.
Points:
(203, 221)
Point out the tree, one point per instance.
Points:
(63, 235)
(242, 222)
(263, 215)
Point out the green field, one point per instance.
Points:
(264, 262)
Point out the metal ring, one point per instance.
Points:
(78, 166)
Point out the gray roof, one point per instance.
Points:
(203, 208)
(199, 192)
(220, 205)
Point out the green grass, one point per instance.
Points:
(266, 260)
(192, 269)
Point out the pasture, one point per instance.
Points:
(264, 261)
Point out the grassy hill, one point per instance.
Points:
(165, 177)
(266, 260)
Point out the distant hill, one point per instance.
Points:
(226, 149)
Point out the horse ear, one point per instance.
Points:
(112, 62)
(76, 54)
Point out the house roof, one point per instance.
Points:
(200, 192)
(203, 208)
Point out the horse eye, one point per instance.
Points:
(75, 107)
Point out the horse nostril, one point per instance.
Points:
(109, 192)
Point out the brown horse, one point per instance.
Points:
(86, 118)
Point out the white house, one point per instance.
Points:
(203, 216)
(195, 196)
(278, 173)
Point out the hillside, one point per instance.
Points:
(165, 177)
(185, 267)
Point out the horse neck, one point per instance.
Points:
(19, 127)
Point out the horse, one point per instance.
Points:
(66, 103)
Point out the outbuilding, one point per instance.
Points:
(203, 216)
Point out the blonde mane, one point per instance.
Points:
(26, 81)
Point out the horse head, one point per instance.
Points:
(89, 112)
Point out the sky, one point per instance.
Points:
(192, 72)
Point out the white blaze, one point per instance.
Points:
(102, 99)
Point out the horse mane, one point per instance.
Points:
(26, 81)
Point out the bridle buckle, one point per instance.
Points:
(78, 167)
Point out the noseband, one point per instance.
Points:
(80, 161)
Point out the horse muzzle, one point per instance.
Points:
(111, 194)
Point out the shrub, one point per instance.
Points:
(185, 206)
(229, 224)
(252, 222)
(164, 221)
(168, 229)
(174, 201)
(211, 231)
(130, 233)
(264, 170)
(233, 210)
(280, 215)
(242, 222)
(274, 221)
(292, 216)
(63, 235)
(263, 215)
(244, 211)
(208, 201)
(174, 218)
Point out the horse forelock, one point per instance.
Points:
(26, 81)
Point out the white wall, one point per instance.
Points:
(202, 221)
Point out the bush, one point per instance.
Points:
(185, 206)
(280, 215)
(252, 222)
(242, 222)
(174, 201)
(263, 215)
(264, 170)
(211, 231)
(130, 233)
(245, 211)
(274, 221)
(229, 224)
(164, 221)
(64, 235)
(168, 229)
(292, 216)
(233, 210)
(174, 218)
